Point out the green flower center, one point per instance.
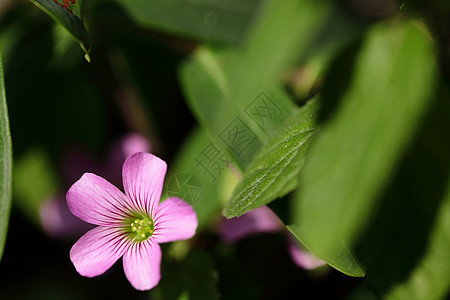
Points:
(141, 228)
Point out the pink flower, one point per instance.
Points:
(131, 225)
(264, 220)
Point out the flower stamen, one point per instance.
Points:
(141, 228)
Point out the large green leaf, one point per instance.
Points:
(67, 13)
(431, 279)
(5, 163)
(274, 171)
(402, 236)
(208, 20)
(359, 147)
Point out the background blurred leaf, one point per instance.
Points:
(5, 162)
(195, 278)
(400, 236)
(431, 278)
(201, 282)
(278, 40)
(214, 185)
(274, 171)
(359, 147)
(35, 181)
(207, 20)
(67, 13)
(241, 90)
(208, 94)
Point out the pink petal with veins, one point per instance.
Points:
(143, 178)
(175, 220)
(96, 251)
(96, 201)
(142, 265)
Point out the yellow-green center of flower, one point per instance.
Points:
(141, 228)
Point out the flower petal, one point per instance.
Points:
(142, 265)
(96, 201)
(97, 250)
(175, 220)
(143, 178)
(259, 220)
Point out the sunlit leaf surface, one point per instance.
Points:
(358, 148)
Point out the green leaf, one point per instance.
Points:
(5, 162)
(67, 13)
(356, 151)
(201, 175)
(208, 20)
(431, 278)
(401, 236)
(240, 90)
(341, 259)
(274, 171)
